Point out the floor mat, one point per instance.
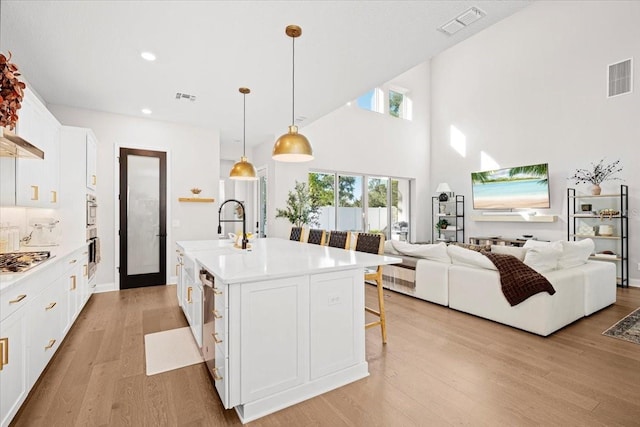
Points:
(172, 349)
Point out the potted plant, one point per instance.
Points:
(441, 225)
(301, 208)
(597, 175)
(11, 93)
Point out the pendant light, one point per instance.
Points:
(243, 170)
(292, 146)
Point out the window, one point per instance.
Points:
(386, 200)
(399, 104)
(322, 189)
(372, 101)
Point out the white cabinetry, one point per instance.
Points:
(35, 315)
(74, 160)
(92, 162)
(13, 373)
(48, 316)
(37, 181)
(276, 342)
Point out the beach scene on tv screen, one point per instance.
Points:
(511, 188)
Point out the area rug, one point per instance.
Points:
(627, 329)
(172, 349)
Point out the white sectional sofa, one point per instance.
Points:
(468, 282)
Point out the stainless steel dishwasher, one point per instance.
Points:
(209, 326)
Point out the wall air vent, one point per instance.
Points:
(620, 78)
(465, 18)
(180, 95)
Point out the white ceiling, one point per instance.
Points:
(87, 54)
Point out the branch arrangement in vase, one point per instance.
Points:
(598, 173)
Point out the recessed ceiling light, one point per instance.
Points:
(146, 111)
(148, 56)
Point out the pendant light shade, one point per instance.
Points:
(292, 146)
(243, 170)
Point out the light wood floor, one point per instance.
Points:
(440, 367)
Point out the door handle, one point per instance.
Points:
(161, 235)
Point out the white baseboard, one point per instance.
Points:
(634, 282)
(105, 287)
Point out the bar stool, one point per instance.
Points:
(339, 239)
(374, 244)
(296, 234)
(316, 237)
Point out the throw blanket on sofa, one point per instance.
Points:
(518, 280)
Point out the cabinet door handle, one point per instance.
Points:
(217, 291)
(177, 266)
(73, 261)
(94, 179)
(85, 270)
(216, 338)
(4, 352)
(73, 283)
(54, 197)
(50, 306)
(17, 300)
(189, 289)
(215, 374)
(35, 192)
(216, 314)
(51, 343)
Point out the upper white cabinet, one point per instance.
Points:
(92, 161)
(36, 181)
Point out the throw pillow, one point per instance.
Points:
(471, 247)
(516, 251)
(389, 248)
(535, 244)
(436, 252)
(544, 258)
(469, 257)
(575, 253)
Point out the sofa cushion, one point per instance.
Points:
(543, 258)
(575, 253)
(516, 251)
(469, 257)
(436, 252)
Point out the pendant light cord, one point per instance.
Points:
(293, 82)
(244, 125)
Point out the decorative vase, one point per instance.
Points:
(595, 190)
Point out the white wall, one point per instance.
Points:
(193, 161)
(351, 139)
(532, 89)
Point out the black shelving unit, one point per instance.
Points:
(582, 224)
(453, 211)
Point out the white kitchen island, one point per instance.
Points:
(287, 324)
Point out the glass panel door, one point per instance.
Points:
(142, 218)
(349, 216)
(377, 202)
(322, 188)
(400, 197)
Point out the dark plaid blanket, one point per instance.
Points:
(518, 280)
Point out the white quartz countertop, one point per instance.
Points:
(57, 253)
(272, 258)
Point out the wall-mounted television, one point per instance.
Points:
(519, 187)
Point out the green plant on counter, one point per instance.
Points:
(302, 208)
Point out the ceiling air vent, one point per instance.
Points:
(180, 95)
(465, 18)
(619, 78)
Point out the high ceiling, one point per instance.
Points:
(87, 54)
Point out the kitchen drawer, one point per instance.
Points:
(220, 377)
(16, 297)
(220, 318)
(46, 320)
(221, 296)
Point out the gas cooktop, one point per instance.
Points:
(17, 262)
